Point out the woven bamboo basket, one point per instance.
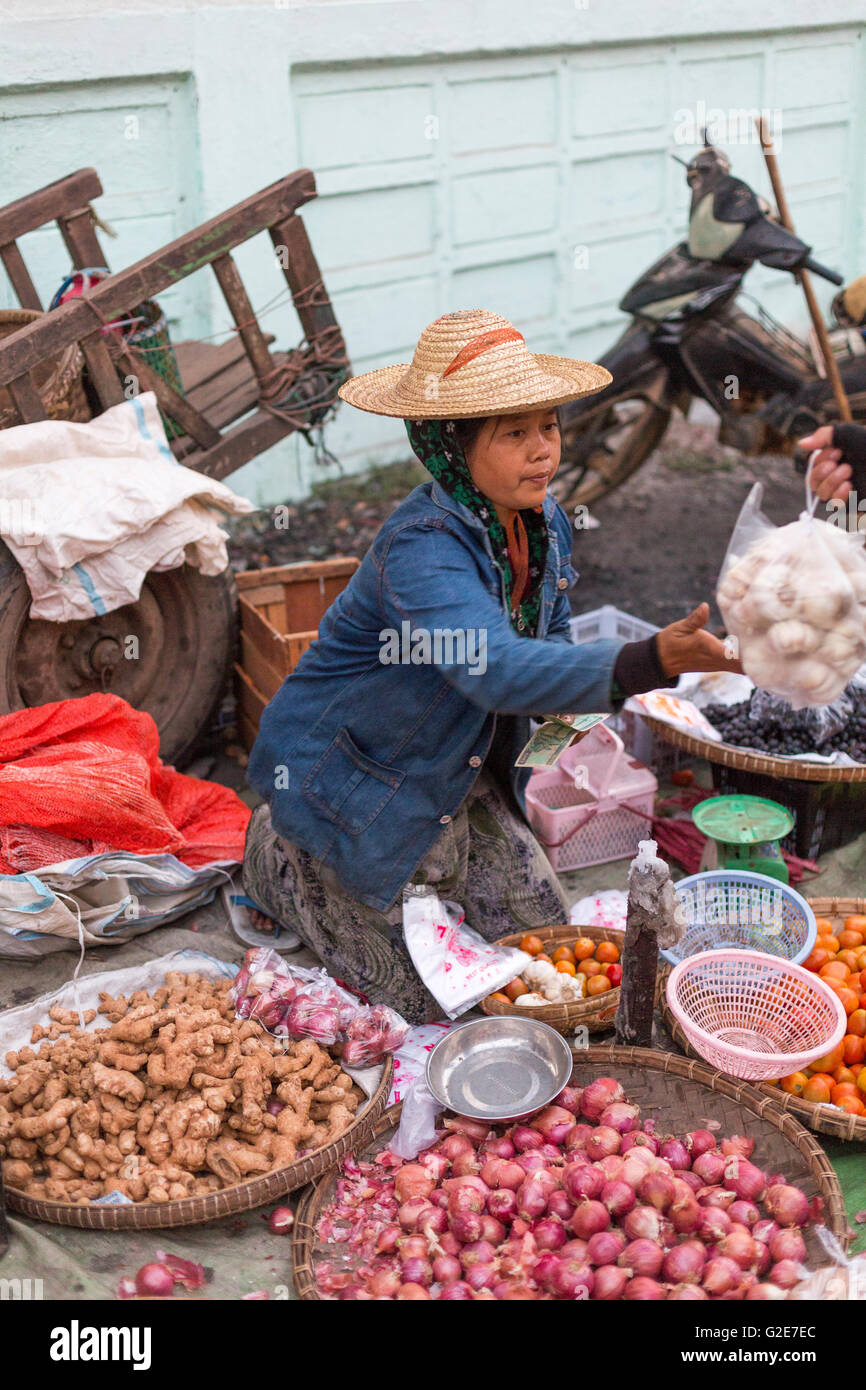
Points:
(681, 1095)
(596, 1015)
(730, 756)
(59, 380)
(242, 1196)
(824, 1119)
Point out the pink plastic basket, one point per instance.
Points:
(594, 806)
(752, 1015)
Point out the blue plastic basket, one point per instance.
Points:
(726, 910)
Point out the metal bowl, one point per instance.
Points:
(500, 1068)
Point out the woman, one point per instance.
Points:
(387, 756)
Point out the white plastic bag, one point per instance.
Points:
(417, 1128)
(794, 597)
(456, 964)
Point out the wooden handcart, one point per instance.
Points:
(235, 400)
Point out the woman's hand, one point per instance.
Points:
(828, 476)
(687, 646)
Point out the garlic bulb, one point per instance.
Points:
(538, 972)
(530, 1000)
(792, 638)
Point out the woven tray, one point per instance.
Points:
(682, 1095)
(596, 1015)
(730, 756)
(243, 1196)
(824, 1119)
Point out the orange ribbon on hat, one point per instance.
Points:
(476, 346)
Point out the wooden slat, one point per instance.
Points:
(103, 373)
(19, 275)
(302, 273)
(237, 446)
(82, 243)
(28, 401)
(48, 203)
(299, 571)
(251, 700)
(266, 594)
(297, 643)
(200, 363)
(171, 404)
(243, 314)
(263, 636)
(263, 675)
(145, 279)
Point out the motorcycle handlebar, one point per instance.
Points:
(818, 269)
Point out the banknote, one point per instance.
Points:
(551, 739)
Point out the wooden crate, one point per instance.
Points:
(280, 612)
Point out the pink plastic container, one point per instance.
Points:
(753, 1015)
(594, 806)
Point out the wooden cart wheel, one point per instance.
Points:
(170, 653)
(605, 445)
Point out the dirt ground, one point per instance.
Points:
(655, 553)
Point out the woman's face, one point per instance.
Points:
(514, 457)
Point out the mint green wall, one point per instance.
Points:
(500, 155)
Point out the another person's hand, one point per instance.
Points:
(687, 646)
(828, 477)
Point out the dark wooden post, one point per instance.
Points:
(655, 917)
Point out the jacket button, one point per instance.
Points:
(562, 584)
(475, 761)
(444, 820)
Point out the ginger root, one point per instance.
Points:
(169, 1099)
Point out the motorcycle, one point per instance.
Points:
(690, 338)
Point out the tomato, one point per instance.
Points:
(542, 955)
(607, 952)
(825, 926)
(855, 1069)
(834, 970)
(844, 1088)
(861, 1082)
(795, 1084)
(532, 945)
(856, 922)
(584, 947)
(500, 997)
(817, 957)
(614, 974)
(851, 1106)
(849, 959)
(823, 1076)
(861, 959)
(566, 967)
(817, 1090)
(857, 1023)
(849, 1001)
(850, 938)
(830, 943)
(853, 1048)
(564, 953)
(515, 989)
(590, 968)
(683, 777)
(828, 1063)
(598, 984)
(842, 1075)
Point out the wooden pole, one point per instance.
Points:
(830, 365)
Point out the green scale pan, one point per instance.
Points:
(743, 832)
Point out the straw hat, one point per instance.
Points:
(472, 363)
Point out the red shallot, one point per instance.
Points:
(787, 1205)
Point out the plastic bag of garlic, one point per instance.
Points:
(794, 597)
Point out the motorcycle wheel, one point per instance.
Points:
(169, 653)
(605, 445)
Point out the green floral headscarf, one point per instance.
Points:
(436, 445)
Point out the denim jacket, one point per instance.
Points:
(365, 753)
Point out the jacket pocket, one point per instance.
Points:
(350, 788)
